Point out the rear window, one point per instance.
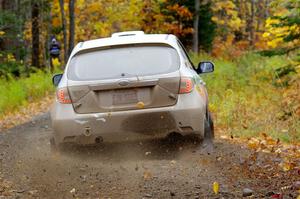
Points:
(123, 61)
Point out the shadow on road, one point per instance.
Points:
(168, 148)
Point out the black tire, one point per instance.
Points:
(209, 133)
(174, 137)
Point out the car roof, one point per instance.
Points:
(123, 38)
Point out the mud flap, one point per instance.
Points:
(53, 146)
(208, 145)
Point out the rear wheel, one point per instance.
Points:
(209, 133)
(207, 144)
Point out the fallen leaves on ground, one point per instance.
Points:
(5, 187)
(288, 154)
(270, 160)
(147, 175)
(25, 113)
(216, 187)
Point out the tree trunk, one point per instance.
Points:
(260, 16)
(8, 43)
(72, 25)
(35, 33)
(17, 41)
(7, 4)
(1, 4)
(196, 27)
(267, 14)
(64, 26)
(45, 8)
(251, 31)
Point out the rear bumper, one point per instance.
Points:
(185, 117)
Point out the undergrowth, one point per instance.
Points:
(17, 92)
(246, 102)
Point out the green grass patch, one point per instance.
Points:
(16, 93)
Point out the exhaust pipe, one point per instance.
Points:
(99, 140)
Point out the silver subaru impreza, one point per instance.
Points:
(130, 86)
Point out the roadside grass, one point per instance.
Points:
(245, 101)
(16, 93)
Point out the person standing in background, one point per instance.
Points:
(54, 51)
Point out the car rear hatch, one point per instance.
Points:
(124, 78)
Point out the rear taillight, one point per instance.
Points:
(186, 85)
(63, 96)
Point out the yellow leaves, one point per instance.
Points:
(96, 19)
(56, 17)
(214, 19)
(288, 153)
(266, 35)
(56, 22)
(268, 140)
(212, 107)
(226, 15)
(97, 27)
(221, 5)
(221, 22)
(181, 10)
(94, 7)
(275, 42)
(99, 19)
(80, 4)
(295, 28)
(266, 144)
(271, 21)
(216, 187)
(147, 175)
(253, 143)
(140, 105)
(287, 165)
(2, 33)
(276, 30)
(27, 31)
(10, 58)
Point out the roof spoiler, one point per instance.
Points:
(128, 33)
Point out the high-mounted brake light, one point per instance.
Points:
(128, 33)
(63, 96)
(186, 85)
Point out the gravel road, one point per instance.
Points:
(152, 169)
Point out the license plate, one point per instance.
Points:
(125, 97)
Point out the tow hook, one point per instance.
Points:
(87, 131)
